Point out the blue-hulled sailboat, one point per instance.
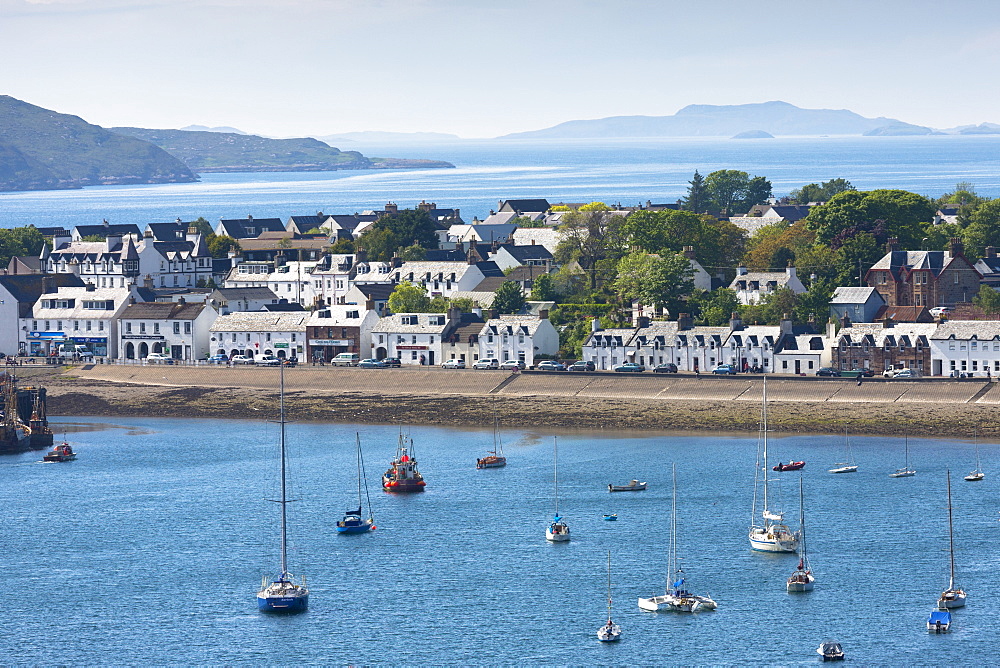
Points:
(353, 522)
(281, 594)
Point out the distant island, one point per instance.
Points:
(754, 134)
(704, 120)
(42, 149)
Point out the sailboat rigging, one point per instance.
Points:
(906, 471)
(610, 632)
(557, 531)
(676, 598)
(802, 579)
(848, 465)
(282, 594)
(772, 535)
(353, 521)
(977, 474)
(494, 458)
(952, 597)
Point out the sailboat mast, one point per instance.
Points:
(357, 437)
(672, 566)
(951, 537)
(284, 501)
(802, 522)
(764, 428)
(609, 586)
(555, 470)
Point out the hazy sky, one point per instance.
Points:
(484, 68)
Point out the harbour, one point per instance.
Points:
(162, 522)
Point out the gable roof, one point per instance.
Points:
(525, 253)
(163, 311)
(107, 230)
(530, 205)
(853, 295)
(236, 227)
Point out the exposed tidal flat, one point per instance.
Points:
(148, 549)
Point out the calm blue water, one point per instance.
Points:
(625, 171)
(150, 547)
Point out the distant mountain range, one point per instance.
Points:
(45, 150)
(377, 137)
(703, 120)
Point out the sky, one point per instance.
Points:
(483, 68)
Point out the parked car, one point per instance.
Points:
(725, 369)
(345, 359)
(158, 358)
(867, 373)
(371, 363)
(392, 362)
(510, 365)
(669, 367)
(906, 373)
(550, 365)
(582, 365)
(268, 360)
(218, 359)
(486, 364)
(454, 364)
(241, 359)
(941, 311)
(630, 367)
(828, 371)
(292, 361)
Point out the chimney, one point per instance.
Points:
(249, 217)
(741, 270)
(892, 245)
(131, 300)
(642, 321)
(790, 271)
(831, 329)
(786, 324)
(845, 321)
(543, 314)
(181, 301)
(361, 255)
(396, 261)
(391, 207)
(735, 322)
(887, 322)
(684, 321)
(991, 251)
(370, 305)
(478, 310)
(956, 247)
(45, 284)
(595, 325)
(455, 314)
(147, 282)
(689, 252)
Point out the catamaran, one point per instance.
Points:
(802, 579)
(557, 531)
(282, 594)
(676, 598)
(353, 521)
(772, 535)
(952, 597)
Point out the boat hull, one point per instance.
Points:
(673, 603)
(974, 477)
(611, 633)
(791, 466)
(952, 600)
(762, 541)
(491, 463)
(403, 486)
(287, 605)
(557, 533)
(907, 473)
(845, 469)
(636, 487)
(59, 458)
(799, 585)
(352, 529)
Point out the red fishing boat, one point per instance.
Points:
(402, 475)
(60, 453)
(790, 466)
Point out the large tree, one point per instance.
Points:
(220, 245)
(595, 240)
(983, 228)
(902, 213)
(653, 280)
(508, 298)
(697, 199)
(819, 192)
(20, 241)
(395, 231)
(409, 298)
(727, 189)
(717, 243)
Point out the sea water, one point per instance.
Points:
(150, 547)
(625, 171)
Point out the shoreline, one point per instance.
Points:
(434, 397)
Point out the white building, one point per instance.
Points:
(413, 338)
(518, 337)
(971, 347)
(18, 295)
(439, 278)
(340, 328)
(260, 333)
(179, 329)
(751, 286)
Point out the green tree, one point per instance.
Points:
(697, 200)
(758, 191)
(220, 245)
(543, 289)
(717, 243)
(342, 246)
(819, 192)
(394, 231)
(653, 280)
(815, 302)
(20, 241)
(595, 206)
(202, 226)
(903, 215)
(856, 256)
(463, 304)
(93, 237)
(414, 253)
(983, 228)
(409, 298)
(524, 221)
(595, 240)
(771, 309)
(988, 299)
(727, 190)
(438, 304)
(508, 298)
(715, 307)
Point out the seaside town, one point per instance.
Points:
(856, 283)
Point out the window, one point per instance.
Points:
(293, 337)
(267, 336)
(100, 325)
(156, 328)
(89, 325)
(128, 327)
(353, 315)
(76, 325)
(177, 328)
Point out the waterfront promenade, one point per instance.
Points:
(424, 395)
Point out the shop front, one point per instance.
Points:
(324, 350)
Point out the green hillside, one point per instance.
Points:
(42, 150)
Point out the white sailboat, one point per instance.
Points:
(952, 597)
(977, 473)
(802, 579)
(557, 531)
(610, 632)
(906, 471)
(676, 598)
(771, 535)
(848, 465)
(282, 594)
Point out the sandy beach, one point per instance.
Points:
(433, 396)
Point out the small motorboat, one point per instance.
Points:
(939, 621)
(830, 651)
(633, 486)
(61, 453)
(790, 466)
(613, 517)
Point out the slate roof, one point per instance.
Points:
(967, 329)
(492, 283)
(529, 205)
(512, 324)
(168, 231)
(526, 253)
(27, 288)
(375, 291)
(107, 230)
(467, 329)
(851, 295)
(162, 311)
(897, 261)
(233, 294)
(260, 321)
(904, 314)
(236, 227)
(393, 324)
(283, 306)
